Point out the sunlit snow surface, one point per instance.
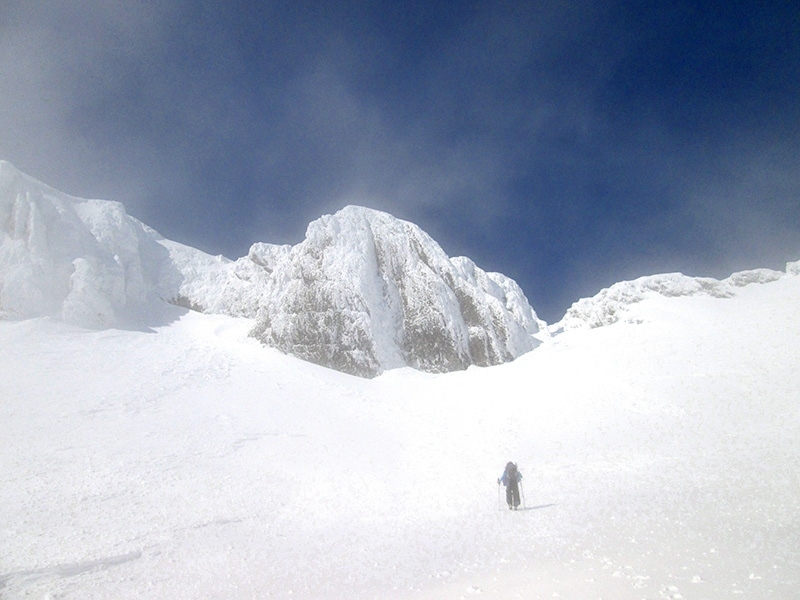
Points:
(661, 459)
(365, 292)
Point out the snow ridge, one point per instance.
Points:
(364, 292)
(613, 304)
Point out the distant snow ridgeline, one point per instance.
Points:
(612, 304)
(362, 293)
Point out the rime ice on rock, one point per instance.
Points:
(362, 293)
(86, 262)
(612, 304)
(366, 291)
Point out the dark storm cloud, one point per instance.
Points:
(568, 145)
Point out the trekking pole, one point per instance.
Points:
(522, 493)
(499, 497)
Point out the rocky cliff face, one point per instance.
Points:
(366, 291)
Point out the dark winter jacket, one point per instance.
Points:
(504, 478)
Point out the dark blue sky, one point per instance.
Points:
(567, 145)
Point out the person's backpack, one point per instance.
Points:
(511, 472)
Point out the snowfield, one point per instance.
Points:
(660, 457)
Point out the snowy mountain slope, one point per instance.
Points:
(365, 292)
(614, 303)
(362, 293)
(660, 460)
(215, 284)
(85, 261)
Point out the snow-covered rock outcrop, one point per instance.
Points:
(86, 262)
(365, 292)
(612, 304)
(362, 293)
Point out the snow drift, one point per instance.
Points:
(657, 433)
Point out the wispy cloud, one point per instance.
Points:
(567, 145)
